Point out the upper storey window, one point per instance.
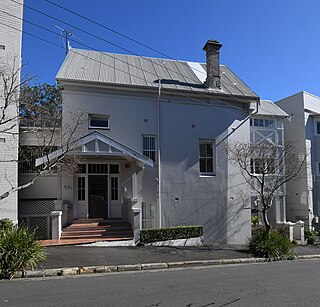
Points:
(317, 127)
(261, 122)
(207, 157)
(99, 121)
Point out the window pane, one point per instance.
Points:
(206, 157)
(98, 168)
(114, 188)
(209, 165)
(149, 147)
(202, 150)
(99, 121)
(114, 169)
(81, 188)
(209, 150)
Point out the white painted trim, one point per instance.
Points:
(123, 150)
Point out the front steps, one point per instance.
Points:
(85, 231)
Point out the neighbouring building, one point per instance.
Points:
(267, 127)
(10, 64)
(303, 128)
(153, 144)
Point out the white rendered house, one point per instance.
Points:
(267, 127)
(303, 129)
(153, 143)
(10, 64)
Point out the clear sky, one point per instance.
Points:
(273, 46)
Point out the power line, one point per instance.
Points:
(54, 44)
(154, 63)
(109, 29)
(125, 49)
(148, 59)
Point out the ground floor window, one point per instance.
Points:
(114, 188)
(149, 216)
(81, 188)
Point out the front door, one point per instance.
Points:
(98, 196)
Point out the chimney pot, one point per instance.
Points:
(212, 49)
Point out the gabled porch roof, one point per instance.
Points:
(97, 144)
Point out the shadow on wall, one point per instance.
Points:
(227, 219)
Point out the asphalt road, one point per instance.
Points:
(292, 283)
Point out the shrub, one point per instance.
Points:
(5, 224)
(19, 251)
(310, 236)
(255, 220)
(272, 245)
(170, 233)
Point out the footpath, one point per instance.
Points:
(73, 260)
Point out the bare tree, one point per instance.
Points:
(35, 114)
(267, 168)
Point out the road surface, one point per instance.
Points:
(292, 283)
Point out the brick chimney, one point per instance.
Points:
(212, 49)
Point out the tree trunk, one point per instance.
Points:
(266, 221)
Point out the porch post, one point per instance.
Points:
(56, 225)
(58, 202)
(134, 180)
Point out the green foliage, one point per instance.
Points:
(170, 233)
(271, 245)
(255, 220)
(5, 224)
(311, 236)
(19, 251)
(41, 105)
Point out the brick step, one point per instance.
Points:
(76, 228)
(84, 234)
(92, 230)
(105, 236)
(98, 221)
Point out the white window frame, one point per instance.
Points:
(146, 151)
(207, 157)
(102, 117)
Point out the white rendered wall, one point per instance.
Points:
(186, 197)
(297, 198)
(10, 59)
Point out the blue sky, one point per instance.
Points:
(273, 46)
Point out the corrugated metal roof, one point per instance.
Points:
(120, 69)
(269, 108)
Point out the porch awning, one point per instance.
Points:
(97, 144)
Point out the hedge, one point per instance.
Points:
(169, 233)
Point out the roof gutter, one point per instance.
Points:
(154, 89)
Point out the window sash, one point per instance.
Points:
(206, 157)
(99, 121)
(149, 147)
